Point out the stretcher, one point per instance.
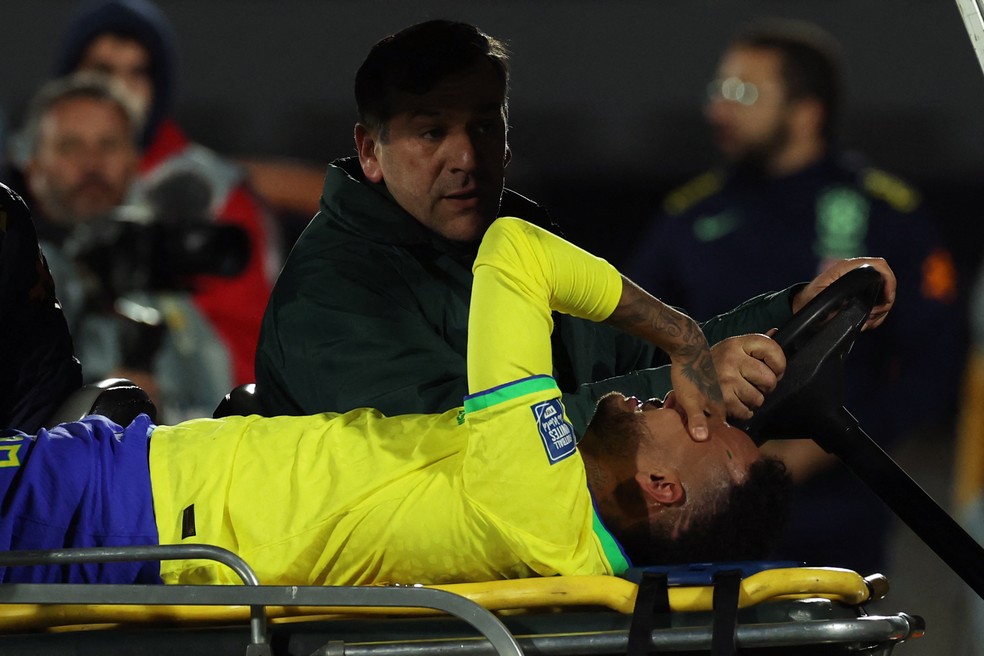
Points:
(754, 607)
(717, 609)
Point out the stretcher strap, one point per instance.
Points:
(652, 611)
(727, 588)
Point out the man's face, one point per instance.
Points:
(124, 59)
(443, 154)
(84, 161)
(747, 107)
(665, 447)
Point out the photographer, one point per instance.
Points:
(115, 259)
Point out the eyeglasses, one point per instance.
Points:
(733, 89)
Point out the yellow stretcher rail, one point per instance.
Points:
(838, 585)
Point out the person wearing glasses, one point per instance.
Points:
(784, 203)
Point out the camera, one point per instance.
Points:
(139, 255)
(161, 244)
(126, 252)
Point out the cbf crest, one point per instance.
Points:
(555, 431)
(842, 223)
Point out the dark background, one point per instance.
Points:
(606, 117)
(606, 96)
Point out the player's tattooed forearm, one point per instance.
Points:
(677, 334)
(698, 368)
(640, 316)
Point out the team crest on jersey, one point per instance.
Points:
(717, 226)
(555, 431)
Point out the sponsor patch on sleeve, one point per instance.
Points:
(555, 431)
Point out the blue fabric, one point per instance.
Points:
(83, 484)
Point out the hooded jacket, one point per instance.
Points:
(371, 310)
(140, 20)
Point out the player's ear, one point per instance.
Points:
(365, 144)
(661, 487)
(508, 156)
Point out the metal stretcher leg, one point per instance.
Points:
(256, 596)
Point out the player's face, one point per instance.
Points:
(726, 455)
(85, 159)
(442, 155)
(747, 108)
(124, 59)
(666, 444)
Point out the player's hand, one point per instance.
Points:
(838, 269)
(748, 367)
(692, 372)
(697, 390)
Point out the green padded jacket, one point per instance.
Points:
(371, 310)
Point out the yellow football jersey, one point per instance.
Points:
(494, 490)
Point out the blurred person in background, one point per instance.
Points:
(783, 205)
(133, 41)
(82, 132)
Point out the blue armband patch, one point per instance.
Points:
(555, 431)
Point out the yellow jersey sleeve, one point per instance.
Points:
(522, 273)
(522, 472)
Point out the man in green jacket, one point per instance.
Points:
(371, 309)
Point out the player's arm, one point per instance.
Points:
(693, 374)
(523, 272)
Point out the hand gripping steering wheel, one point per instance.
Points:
(807, 402)
(816, 342)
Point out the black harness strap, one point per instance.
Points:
(652, 611)
(727, 587)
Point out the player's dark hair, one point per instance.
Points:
(746, 527)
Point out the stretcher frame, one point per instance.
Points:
(721, 617)
(605, 611)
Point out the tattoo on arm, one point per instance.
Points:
(649, 318)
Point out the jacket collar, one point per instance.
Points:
(368, 208)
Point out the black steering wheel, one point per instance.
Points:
(816, 342)
(808, 402)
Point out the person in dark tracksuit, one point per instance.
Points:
(785, 204)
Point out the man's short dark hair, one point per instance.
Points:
(747, 526)
(416, 59)
(811, 62)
